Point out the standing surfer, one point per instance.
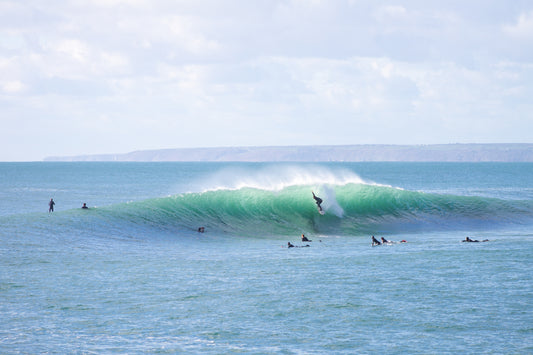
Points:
(318, 201)
(51, 205)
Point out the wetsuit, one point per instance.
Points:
(318, 201)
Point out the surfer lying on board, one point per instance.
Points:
(289, 245)
(468, 240)
(318, 201)
(388, 242)
(304, 239)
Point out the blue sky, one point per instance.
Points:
(113, 76)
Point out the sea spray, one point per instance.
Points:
(278, 177)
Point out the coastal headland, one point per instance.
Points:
(519, 152)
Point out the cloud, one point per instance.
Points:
(13, 87)
(72, 48)
(523, 28)
(390, 12)
(211, 73)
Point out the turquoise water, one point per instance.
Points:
(133, 275)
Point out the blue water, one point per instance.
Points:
(133, 275)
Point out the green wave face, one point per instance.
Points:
(350, 209)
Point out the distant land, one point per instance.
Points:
(327, 153)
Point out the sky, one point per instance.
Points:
(115, 76)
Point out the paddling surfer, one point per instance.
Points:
(468, 240)
(304, 239)
(375, 241)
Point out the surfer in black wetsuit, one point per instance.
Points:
(375, 241)
(289, 245)
(468, 240)
(318, 201)
(84, 206)
(384, 241)
(51, 205)
(304, 239)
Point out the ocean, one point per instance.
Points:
(132, 274)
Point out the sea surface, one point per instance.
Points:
(132, 274)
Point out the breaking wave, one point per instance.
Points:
(350, 209)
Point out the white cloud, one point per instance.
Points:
(388, 12)
(184, 73)
(72, 48)
(181, 31)
(176, 32)
(13, 87)
(523, 28)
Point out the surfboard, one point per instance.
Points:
(321, 212)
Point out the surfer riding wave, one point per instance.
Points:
(318, 201)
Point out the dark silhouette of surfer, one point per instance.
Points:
(290, 245)
(468, 240)
(304, 239)
(318, 201)
(375, 241)
(84, 206)
(51, 205)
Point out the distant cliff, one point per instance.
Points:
(325, 153)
